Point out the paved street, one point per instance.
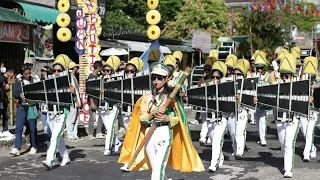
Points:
(88, 162)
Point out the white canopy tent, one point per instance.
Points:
(114, 52)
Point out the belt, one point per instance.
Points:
(159, 124)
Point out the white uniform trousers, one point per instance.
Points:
(72, 123)
(287, 134)
(251, 116)
(126, 117)
(237, 130)
(216, 133)
(109, 117)
(204, 127)
(158, 150)
(260, 119)
(307, 127)
(56, 124)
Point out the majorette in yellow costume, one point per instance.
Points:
(171, 137)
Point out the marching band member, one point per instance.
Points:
(261, 65)
(214, 54)
(44, 108)
(72, 118)
(170, 142)
(296, 52)
(134, 66)
(206, 79)
(275, 74)
(171, 62)
(109, 113)
(310, 67)
(287, 126)
(175, 79)
(217, 127)
(237, 125)
(57, 119)
(253, 73)
(230, 62)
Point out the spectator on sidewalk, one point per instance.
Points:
(93, 102)
(4, 100)
(3, 69)
(72, 118)
(24, 113)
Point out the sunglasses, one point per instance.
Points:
(238, 74)
(156, 76)
(216, 77)
(131, 71)
(259, 68)
(57, 70)
(106, 70)
(286, 76)
(206, 69)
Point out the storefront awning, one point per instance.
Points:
(142, 47)
(181, 48)
(8, 15)
(39, 13)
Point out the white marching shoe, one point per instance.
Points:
(47, 164)
(125, 168)
(287, 174)
(107, 152)
(202, 142)
(306, 159)
(65, 161)
(212, 169)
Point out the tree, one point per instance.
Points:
(203, 15)
(130, 15)
(118, 22)
(267, 30)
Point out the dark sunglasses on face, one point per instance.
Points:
(156, 76)
(131, 71)
(106, 70)
(286, 76)
(57, 70)
(259, 68)
(238, 74)
(216, 77)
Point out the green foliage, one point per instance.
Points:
(118, 22)
(131, 14)
(267, 30)
(203, 15)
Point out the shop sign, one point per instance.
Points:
(16, 33)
